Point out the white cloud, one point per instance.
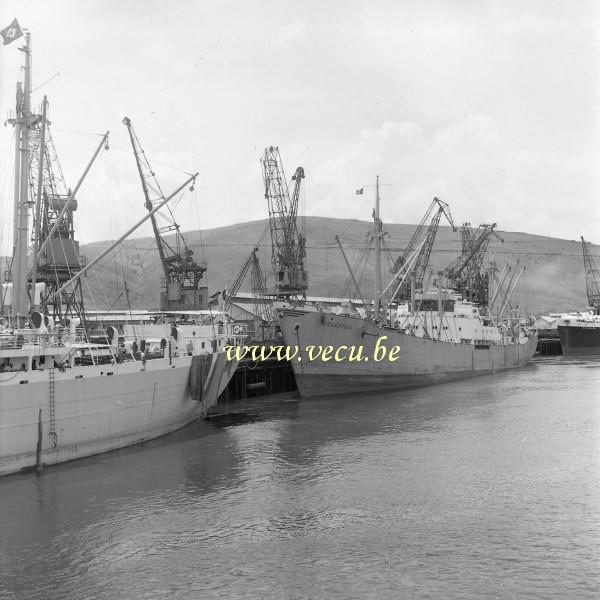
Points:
(294, 31)
(530, 23)
(466, 163)
(490, 105)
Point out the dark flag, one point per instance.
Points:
(360, 191)
(11, 33)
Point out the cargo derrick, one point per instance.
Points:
(288, 244)
(421, 261)
(466, 274)
(262, 302)
(592, 278)
(181, 289)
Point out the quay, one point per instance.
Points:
(548, 343)
(254, 378)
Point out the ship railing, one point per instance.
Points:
(81, 334)
(22, 339)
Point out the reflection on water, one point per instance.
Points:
(484, 488)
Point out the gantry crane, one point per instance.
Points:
(181, 289)
(466, 274)
(288, 244)
(421, 261)
(592, 278)
(261, 301)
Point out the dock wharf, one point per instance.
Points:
(548, 342)
(254, 378)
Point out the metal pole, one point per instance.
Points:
(505, 271)
(337, 239)
(377, 252)
(38, 449)
(17, 193)
(125, 235)
(38, 200)
(20, 262)
(506, 296)
(440, 295)
(510, 292)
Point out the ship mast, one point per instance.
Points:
(22, 123)
(377, 232)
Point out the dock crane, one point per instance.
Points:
(592, 278)
(181, 289)
(466, 274)
(288, 244)
(261, 301)
(422, 260)
(56, 255)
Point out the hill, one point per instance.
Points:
(554, 279)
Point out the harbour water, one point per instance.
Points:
(488, 488)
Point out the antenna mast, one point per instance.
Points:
(22, 122)
(378, 234)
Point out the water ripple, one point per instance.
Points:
(480, 489)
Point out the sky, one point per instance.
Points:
(492, 106)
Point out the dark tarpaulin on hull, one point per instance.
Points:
(199, 374)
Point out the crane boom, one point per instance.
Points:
(425, 253)
(422, 260)
(412, 244)
(592, 277)
(288, 244)
(231, 293)
(262, 302)
(465, 274)
(181, 289)
(474, 246)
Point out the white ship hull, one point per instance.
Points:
(421, 361)
(99, 408)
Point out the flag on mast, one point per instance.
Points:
(360, 191)
(11, 33)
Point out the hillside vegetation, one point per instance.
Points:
(554, 279)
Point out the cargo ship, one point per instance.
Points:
(580, 332)
(439, 336)
(65, 391)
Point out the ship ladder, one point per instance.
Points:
(52, 431)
